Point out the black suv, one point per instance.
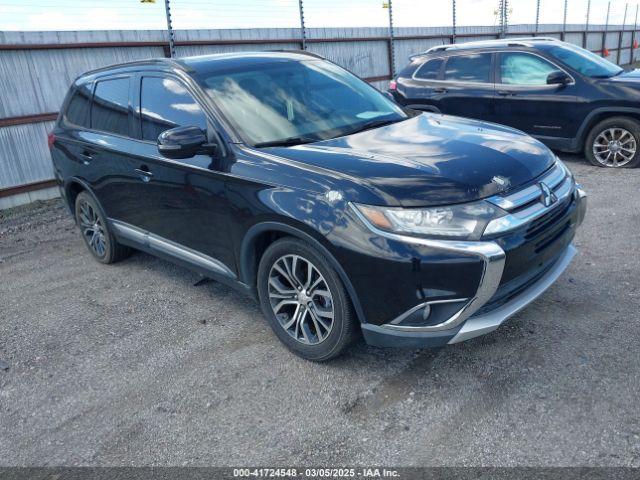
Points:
(567, 97)
(290, 179)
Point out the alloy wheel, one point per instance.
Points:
(614, 147)
(300, 299)
(92, 229)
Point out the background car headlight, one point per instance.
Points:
(464, 221)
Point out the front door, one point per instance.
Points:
(525, 101)
(182, 201)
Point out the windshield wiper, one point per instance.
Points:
(374, 124)
(286, 142)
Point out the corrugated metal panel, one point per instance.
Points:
(366, 59)
(24, 156)
(406, 48)
(625, 56)
(237, 34)
(192, 50)
(575, 38)
(84, 36)
(36, 81)
(594, 41)
(612, 40)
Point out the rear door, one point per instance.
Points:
(467, 88)
(70, 154)
(420, 90)
(525, 101)
(107, 142)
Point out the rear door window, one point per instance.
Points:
(475, 68)
(77, 112)
(429, 70)
(166, 104)
(110, 108)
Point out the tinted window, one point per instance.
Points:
(469, 68)
(310, 99)
(524, 69)
(429, 70)
(166, 104)
(584, 61)
(109, 111)
(77, 112)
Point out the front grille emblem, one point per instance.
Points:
(547, 197)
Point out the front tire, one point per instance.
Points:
(95, 230)
(614, 143)
(305, 301)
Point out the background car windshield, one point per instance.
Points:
(584, 61)
(311, 99)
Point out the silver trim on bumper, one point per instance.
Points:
(581, 196)
(489, 252)
(476, 326)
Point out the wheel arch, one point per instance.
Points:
(261, 235)
(599, 114)
(72, 189)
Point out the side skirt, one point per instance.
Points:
(560, 143)
(161, 247)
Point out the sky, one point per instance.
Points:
(213, 14)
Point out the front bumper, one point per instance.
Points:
(482, 314)
(475, 325)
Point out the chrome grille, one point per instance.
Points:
(526, 206)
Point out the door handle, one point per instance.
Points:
(506, 93)
(440, 90)
(86, 157)
(144, 174)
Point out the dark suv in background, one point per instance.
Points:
(566, 96)
(290, 179)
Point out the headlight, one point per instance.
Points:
(466, 221)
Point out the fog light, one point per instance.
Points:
(429, 313)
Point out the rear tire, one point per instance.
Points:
(304, 301)
(614, 143)
(95, 231)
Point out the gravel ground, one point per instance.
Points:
(131, 364)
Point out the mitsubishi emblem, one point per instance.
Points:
(547, 198)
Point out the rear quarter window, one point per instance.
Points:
(429, 70)
(76, 113)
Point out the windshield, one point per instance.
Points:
(292, 102)
(584, 61)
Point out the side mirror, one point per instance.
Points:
(183, 142)
(558, 77)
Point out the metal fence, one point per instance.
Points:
(36, 67)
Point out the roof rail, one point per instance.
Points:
(510, 42)
(150, 61)
(301, 52)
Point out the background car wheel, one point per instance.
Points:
(95, 231)
(304, 301)
(614, 143)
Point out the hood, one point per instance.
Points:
(430, 159)
(631, 76)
